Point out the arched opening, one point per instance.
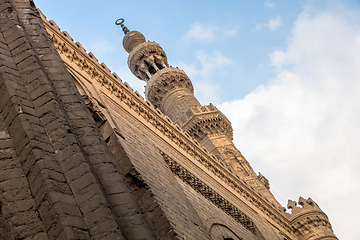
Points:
(221, 232)
(159, 66)
(152, 70)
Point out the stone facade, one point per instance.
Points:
(82, 156)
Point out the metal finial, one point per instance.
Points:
(120, 22)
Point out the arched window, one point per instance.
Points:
(222, 232)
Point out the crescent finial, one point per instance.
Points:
(120, 22)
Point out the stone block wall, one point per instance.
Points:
(109, 167)
(58, 179)
(189, 214)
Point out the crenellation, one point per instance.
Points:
(45, 180)
(301, 207)
(103, 65)
(65, 34)
(80, 47)
(116, 76)
(92, 56)
(106, 163)
(128, 86)
(308, 220)
(139, 95)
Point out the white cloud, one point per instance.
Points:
(302, 129)
(273, 24)
(269, 4)
(207, 33)
(229, 32)
(100, 46)
(201, 33)
(203, 71)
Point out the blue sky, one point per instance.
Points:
(236, 30)
(286, 73)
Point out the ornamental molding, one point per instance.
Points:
(124, 93)
(209, 122)
(164, 82)
(145, 55)
(210, 194)
(309, 220)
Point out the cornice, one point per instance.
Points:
(164, 82)
(211, 122)
(209, 193)
(123, 92)
(144, 50)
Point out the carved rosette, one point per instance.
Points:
(165, 82)
(146, 59)
(207, 121)
(309, 221)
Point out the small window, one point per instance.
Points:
(159, 66)
(152, 70)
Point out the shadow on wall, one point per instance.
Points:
(222, 232)
(4, 227)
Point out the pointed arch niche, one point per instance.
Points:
(222, 232)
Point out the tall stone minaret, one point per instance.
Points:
(170, 89)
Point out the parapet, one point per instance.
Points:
(206, 120)
(164, 82)
(309, 221)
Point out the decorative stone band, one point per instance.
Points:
(210, 194)
(177, 102)
(162, 83)
(146, 59)
(264, 181)
(123, 92)
(206, 121)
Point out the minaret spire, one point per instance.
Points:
(120, 22)
(170, 89)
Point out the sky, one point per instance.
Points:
(286, 74)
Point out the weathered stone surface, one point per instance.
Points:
(48, 123)
(84, 157)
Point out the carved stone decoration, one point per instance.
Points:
(212, 195)
(264, 181)
(146, 59)
(309, 221)
(113, 86)
(165, 81)
(234, 158)
(171, 90)
(207, 121)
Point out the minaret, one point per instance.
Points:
(170, 89)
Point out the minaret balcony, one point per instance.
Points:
(206, 121)
(146, 59)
